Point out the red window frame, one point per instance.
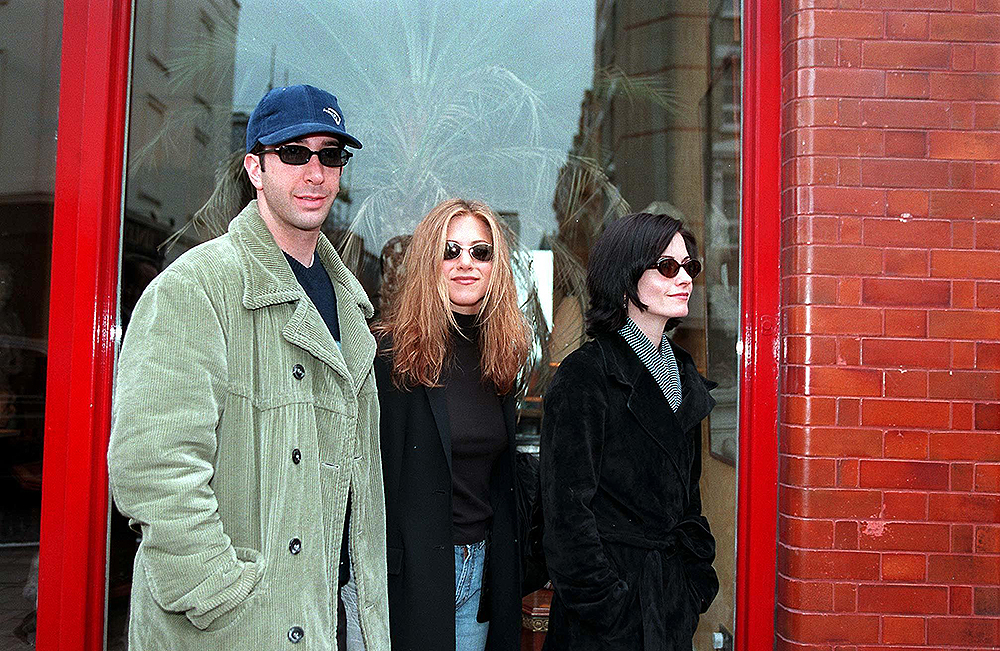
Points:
(760, 327)
(84, 294)
(93, 96)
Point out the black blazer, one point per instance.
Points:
(628, 551)
(416, 469)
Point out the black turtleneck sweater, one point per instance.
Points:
(478, 435)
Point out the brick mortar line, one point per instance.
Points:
(886, 489)
(837, 646)
(880, 614)
(972, 525)
(790, 42)
(893, 584)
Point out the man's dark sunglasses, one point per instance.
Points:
(668, 267)
(482, 252)
(300, 155)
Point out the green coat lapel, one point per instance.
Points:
(268, 280)
(353, 311)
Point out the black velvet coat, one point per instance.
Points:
(416, 468)
(628, 551)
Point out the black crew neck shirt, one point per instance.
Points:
(319, 288)
(478, 434)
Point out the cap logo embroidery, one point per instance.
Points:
(333, 114)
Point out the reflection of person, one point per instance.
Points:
(391, 263)
(453, 342)
(628, 550)
(246, 413)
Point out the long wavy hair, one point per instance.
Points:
(420, 313)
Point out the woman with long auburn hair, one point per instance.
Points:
(451, 347)
(420, 322)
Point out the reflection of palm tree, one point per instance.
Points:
(442, 116)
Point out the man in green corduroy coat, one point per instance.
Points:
(246, 413)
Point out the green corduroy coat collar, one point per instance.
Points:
(269, 280)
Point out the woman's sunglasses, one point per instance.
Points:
(300, 155)
(482, 252)
(668, 267)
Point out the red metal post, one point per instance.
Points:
(756, 541)
(85, 252)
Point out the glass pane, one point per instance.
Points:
(562, 115)
(29, 98)
(721, 122)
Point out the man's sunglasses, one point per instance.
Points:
(300, 155)
(668, 267)
(482, 252)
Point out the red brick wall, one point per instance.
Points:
(889, 524)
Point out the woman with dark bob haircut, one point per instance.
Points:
(628, 551)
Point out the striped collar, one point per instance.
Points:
(661, 362)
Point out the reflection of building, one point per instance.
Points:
(651, 128)
(29, 102)
(640, 126)
(719, 110)
(181, 114)
(581, 207)
(661, 123)
(655, 57)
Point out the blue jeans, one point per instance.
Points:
(349, 595)
(470, 635)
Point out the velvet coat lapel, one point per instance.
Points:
(646, 402)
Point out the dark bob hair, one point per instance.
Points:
(624, 251)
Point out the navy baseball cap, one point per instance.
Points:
(290, 112)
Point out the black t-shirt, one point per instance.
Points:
(478, 434)
(318, 287)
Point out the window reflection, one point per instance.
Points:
(29, 96)
(561, 115)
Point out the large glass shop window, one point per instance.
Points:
(29, 98)
(561, 114)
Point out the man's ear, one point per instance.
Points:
(251, 163)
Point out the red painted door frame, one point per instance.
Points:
(85, 258)
(757, 498)
(85, 252)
